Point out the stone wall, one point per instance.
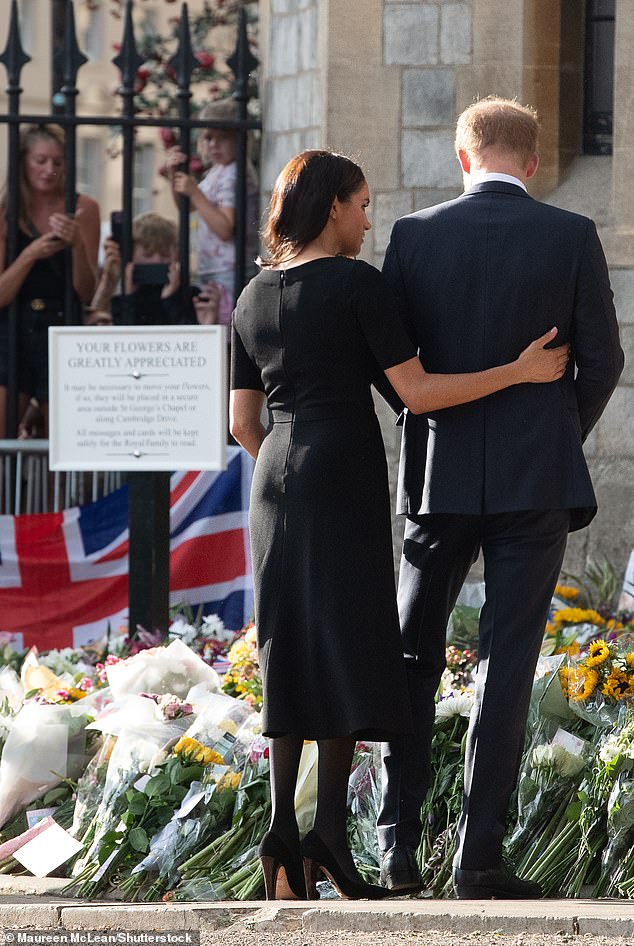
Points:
(384, 80)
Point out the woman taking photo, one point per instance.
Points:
(36, 276)
(310, 331)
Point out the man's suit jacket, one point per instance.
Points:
(476, 280)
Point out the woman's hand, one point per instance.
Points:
(44, 246)
(539, 365)
(65, 228)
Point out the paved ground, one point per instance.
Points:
(431, 938)
(36, 905)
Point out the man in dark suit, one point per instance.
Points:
(476, 279)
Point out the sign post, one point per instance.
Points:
(147, 401)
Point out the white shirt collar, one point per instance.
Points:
(478, 177)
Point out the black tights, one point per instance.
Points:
(333, 773)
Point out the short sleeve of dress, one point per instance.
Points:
(244, 372)
(378, 317)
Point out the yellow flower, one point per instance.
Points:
(614, 625)
(194, 751)
(629, 659)
(567, 592)
(572, 649)
(181, 745)
(578, 616)
(598, 653)
(549, 630)
(618, 684)
(563, 679)
(582, 683)
(251, 636)
(230, 780)
(213, 757)
(239, 652)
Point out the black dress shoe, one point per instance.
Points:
(399, 870)
(494, 883)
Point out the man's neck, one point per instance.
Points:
(511, 175)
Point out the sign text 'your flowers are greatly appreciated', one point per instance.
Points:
(137, 398)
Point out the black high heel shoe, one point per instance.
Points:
(283, 870)
(318, 857)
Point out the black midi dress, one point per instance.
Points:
(312, 338)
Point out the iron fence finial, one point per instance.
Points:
(70, 58)
(242, 62)
(14, 57)
(183, 61)
(128, 59)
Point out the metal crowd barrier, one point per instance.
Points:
(28, 486)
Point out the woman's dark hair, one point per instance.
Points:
(302, 197)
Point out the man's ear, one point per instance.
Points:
(531, 167)
(465, 160)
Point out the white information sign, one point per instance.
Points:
(137, 398)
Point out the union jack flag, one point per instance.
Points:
(64, 576)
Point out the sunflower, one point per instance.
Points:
(564, 674)
(598, 653)
(572, 649)
(567, 592)
(582, 682)
(578, 616)
(618, 684)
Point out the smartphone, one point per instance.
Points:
(116, 226)
(150, 274)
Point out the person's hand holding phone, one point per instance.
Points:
(206, 304)
(173, 280)
(64, 226)
(112, 259)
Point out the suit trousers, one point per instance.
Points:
(522, 553)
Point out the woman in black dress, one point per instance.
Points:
(310, 333)
(36, 277)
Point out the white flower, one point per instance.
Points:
(558, 758)
(179, 628)
(213, 626)
(66, 660)
(456, 704)
(609, 751)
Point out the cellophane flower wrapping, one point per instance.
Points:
(364, 796)
(172, 669)
(143, 735)
(46, 743)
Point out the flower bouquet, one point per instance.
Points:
(46, 744)
(228, 867)
(145, 728)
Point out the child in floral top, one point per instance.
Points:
(214, 199)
